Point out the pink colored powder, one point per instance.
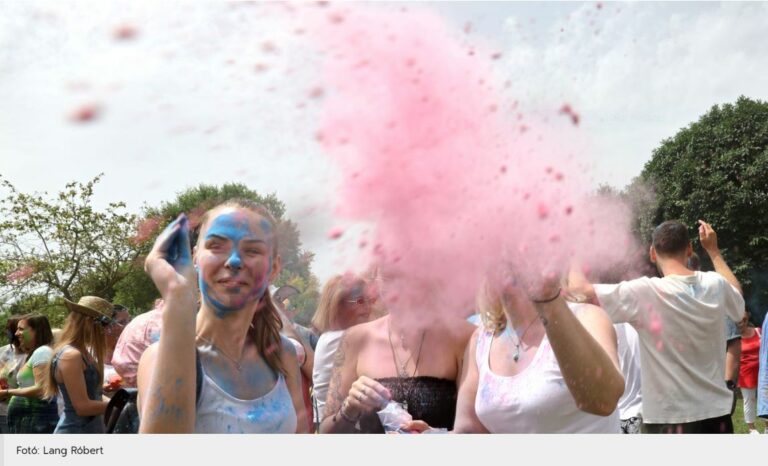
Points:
(86, 113)
(420, 156)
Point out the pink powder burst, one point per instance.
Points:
(424, 165)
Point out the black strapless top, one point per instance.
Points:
(429, 399)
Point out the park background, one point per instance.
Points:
(114, 118)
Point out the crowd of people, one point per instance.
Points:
(220, 354)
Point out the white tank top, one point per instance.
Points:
(533, 401)
(219, 412)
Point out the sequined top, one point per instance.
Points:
(429, 399)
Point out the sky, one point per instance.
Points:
(213, 93)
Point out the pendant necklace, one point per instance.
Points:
(236, 362)
(519, 341)
(402, 369)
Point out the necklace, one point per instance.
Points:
(519, 341)
(236, 362)
(402, 369)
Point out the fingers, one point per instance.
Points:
(173, 244)
(416, 426)
(368, 394)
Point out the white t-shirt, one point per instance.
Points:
(321, 372)
(536, 400)
(631, 402)
(680, 325)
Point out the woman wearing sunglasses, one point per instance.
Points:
(410, 358)
(343, 304)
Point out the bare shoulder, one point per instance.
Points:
(288, 353)
(359, 334)
(149, 356)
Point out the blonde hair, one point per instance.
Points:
(490, 306)
(85, 334)
(266, 325)
(335, 290)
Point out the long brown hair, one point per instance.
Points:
(85, 334)
(43, 334)
(266, 324)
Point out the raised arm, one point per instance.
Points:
(585, 348)
(166, 378)
(708, 239)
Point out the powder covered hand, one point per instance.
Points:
(169, 263)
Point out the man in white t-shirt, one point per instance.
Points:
(631, 402)
(680, 325)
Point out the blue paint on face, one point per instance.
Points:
(234, 227)
(266, 227)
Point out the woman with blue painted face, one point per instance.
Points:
(221, 365)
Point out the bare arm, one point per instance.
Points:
(732, 359)
(293, 380)
(71, 368)
(579, 285)
(167, 374)
(36, 390)
(466, 417)
(348, 399)
(585, 348)
(708, 239)
(289, 330)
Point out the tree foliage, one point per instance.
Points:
(716, 170)
(61, 246)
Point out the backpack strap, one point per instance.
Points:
(198, 377)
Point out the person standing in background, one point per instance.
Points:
(750, 354)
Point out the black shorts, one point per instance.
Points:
(715, 425)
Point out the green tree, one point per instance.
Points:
(138, 290)
(61, 246)
(716, 169)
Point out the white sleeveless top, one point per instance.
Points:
(219, 412)
(536, 400)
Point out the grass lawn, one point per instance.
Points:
(739, 426)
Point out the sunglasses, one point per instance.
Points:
(359, 301)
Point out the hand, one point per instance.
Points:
(169, 263)
(366, 396)
(708, 238)
(4, 395)
(416, 427)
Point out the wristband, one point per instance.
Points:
(549, 300)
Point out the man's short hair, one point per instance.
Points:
(670, 238)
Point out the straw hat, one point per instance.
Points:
(99, 309)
